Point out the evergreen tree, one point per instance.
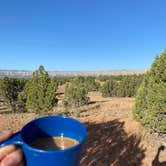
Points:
(91, 84)
(150, 106)
(121, 86)
(40, 92)
(128, 85)
(10, 89)
(76, 93)
(75, 96)
(140, 107)
(109, 88)
(79, 80)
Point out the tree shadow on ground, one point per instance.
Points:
(108, 144)
(94, 102)
(5, 112)
(3, 108)
(156, 161)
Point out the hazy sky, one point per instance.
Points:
(81, 34)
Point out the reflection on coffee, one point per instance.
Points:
(54, 143)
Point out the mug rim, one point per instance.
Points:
(24, 143)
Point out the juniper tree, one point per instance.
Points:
(10, 89)
(140, 107)
(109, 88)
(91, 84)
(76, 93)
(40, 92)
(150, 106)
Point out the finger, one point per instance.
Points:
(4, 151)
(5, 135)
(13, 159)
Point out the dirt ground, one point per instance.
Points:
(114, 138)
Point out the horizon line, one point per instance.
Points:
(76, 70)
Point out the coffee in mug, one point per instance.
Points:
(54, 143)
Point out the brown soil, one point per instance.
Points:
(114, 138)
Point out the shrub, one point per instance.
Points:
(150, 106)
(109, 88)
(128, 85)
(10, 89)
(121, 86)
(76, 93)
(91, 84)
(140, 108)
(62, 80)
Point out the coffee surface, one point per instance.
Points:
(54, 143)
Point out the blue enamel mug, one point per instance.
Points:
(50, 126)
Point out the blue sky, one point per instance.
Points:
(81, 34)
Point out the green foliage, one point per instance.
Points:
(109, 88)
(62, 80)
(140, 107)
(121, 86)
(40, 92)
(80, 81)
(76, 93)
(104, 78)
(150, 107)
(91, 84)
(128, 86)
(10, 89)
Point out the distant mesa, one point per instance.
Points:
(28, 74)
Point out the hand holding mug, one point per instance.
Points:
(40, 130)
(10, 155)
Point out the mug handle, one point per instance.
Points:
(14, 139)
